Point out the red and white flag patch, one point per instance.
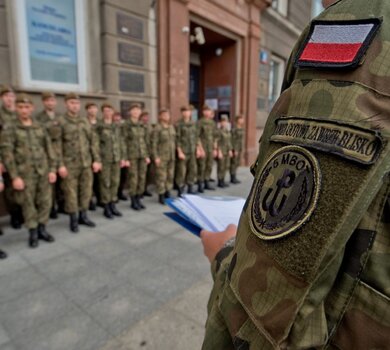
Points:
(337, 44)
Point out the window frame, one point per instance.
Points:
(282, 63)
(280, 6)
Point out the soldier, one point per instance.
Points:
(186, 145)
(206, 134)
(31, 164)
(309, 268)
(225, 152)
(80, 152)
(49, 119)
(138, 154)
(164, 151)
(92, 117)
(112, 154)
(237, 143)
(117, 119)
(7, 111)
(145, 120)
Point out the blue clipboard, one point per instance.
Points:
(184, 223)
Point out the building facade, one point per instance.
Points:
(161, 53)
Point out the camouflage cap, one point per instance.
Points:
(145, 112)
(185, 108)
(90, 104)
(24, 98)
(106, 105)
(71, 96)
(135, 105)
(47, 94)
(206, 107)
(5, 89)
(163, 110)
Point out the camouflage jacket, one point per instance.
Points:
(27, 150)
(186, 136)
(207, 130)
(237, 139)
(164, 142)
(310, 265)
(111, 143)
(224, 140)
(136, 138)
(7, 116)
(79, 144)
(53, 128)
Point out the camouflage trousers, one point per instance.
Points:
(9, 196)
(77, 187)
(205, 166)
(137, 176)
(223, 166)
(109, 178)
(186, 170)
(164, 175)
(35, 199)
(235, 163)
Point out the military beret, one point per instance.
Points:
(24, 98)
(106, 105)
(5, 89)
(185, 108)
(90, 104)
(71, 96)
(47, 94)
(135, 105)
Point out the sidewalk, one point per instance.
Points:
(139, 282)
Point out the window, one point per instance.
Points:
(317, 7)
(281, 6)
(275, 81)
(51, 44)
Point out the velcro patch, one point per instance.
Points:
(347, 141)
(337, 44)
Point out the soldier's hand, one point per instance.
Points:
(18, 184)
(181, 156)
(147, 160)
(231, 154)
(52, 178)
(63, 172)
(2, 168)
(157, 161)
(123, 163)
(215, 153)
(220, 154)
(214, 241)
(1, 186)
(128, 164)
(96, 167)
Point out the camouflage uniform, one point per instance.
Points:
(79, 149)
(206, 134)
(164, 147)
(237, 143)
(7, 116)
(123, 171)
(95, 180)
(112, 151)
(225, 146)
(28, 154)
(137, 151)
(326, 283)
(187, 140)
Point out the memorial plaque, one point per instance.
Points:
(125, 105)
(131, 82)
(130, 26)
(131, 54)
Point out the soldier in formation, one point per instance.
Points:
(224, 141)
(237, 145)
(145, 120)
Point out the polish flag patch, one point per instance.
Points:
(337, 44)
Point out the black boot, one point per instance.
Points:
(73, 223)
(208, 187)
(44, 235)
(234, 180)
(107, 211)
(15, 220)
(161, 199)
(147, 194)
(167, 194)
(191, 189)
(180, 191)
(84, 220)
(220, 184)
(92, 205)
(53, 212)
(200, 187)
(114, 210)
(140, 204)
(134, 203)
(33, 239)
(3, 255)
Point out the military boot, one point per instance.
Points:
(234, 180)
(147, 193)
(84, 220)
(167, 194)
(3, 255)
(191, 190)
(161, 199)
(33, 239)
(200, 187)
(114, 210)
(107, 211)
(92, 205)
(208, 187)
(220, 184)
(53, 212)
(140, 204)
(180, 191)
(44, 235)
(15, 220)
(73, 223)
(134, 203)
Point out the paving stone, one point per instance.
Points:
(13, 263)
(138, 238)
(4, 339)
(45, 251)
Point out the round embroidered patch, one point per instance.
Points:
(286, 193)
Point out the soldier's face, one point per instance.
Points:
(207, 113)
(24, 110)
(50, 103)
(108, 113)
(73, 106)
(8, 100)
(186, 115)
(135, 113)
(165, 117)
(224, 124)
(240, 122)
(117, 118)
(93, 111)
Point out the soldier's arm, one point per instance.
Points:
(94, 145)
(60, 158)
(155, 136)
(122, 143)
(7, 150)
(51, 156)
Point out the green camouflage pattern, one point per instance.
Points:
(28, 154)
(207, 130)
(137, 177)
(224, 145)
(238, 135)
(326, 285)
(7, 116)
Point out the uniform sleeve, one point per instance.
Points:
(179, 143)
(147, 141)
(51, 156)
(122, 143)
(60, 157)
(155, 137)
(7, 150)
(94, 144)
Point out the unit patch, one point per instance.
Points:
(347, 141)
(286, 193)
(337, 44)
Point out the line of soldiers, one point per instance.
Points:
(67, 163)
